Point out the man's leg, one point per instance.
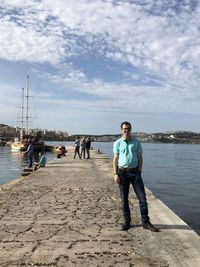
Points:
(78, 151)
(124, 192)
(75, 151)
(88, 153)
(139, 189)
(30, 160)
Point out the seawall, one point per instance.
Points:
(68, 214)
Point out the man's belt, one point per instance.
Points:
(128, 169)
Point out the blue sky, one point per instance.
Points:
(95, 63)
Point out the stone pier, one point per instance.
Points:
(68, 214)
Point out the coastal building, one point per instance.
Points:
(8, 132)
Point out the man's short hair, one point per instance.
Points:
(126, 123)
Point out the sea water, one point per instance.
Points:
(171, 172)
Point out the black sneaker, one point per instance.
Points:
(125, 226)
(150, 227)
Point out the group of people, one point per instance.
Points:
(41, 159)
(82, 147)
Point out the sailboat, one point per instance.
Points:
(21, 143)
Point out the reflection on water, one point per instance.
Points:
(10, 164)
(13, 162)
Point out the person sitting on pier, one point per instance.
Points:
(61, 151)
(42, 161)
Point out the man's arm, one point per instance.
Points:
(28, 149)
(115, 168)
(140, 162)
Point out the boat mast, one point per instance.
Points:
(22, 116)
(27, 103)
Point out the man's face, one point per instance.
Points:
(126, 131)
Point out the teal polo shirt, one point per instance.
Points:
(127, 152)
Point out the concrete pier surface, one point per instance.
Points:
(68, 214)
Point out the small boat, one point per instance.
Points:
(18, 145)
(22, 146)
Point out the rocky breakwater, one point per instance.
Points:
(68, 214)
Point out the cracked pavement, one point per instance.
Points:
(68, 214)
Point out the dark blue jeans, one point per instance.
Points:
(30, 157)
(127, 178)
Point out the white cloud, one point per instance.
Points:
(158, 38)
(33, 47)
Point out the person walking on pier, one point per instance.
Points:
(127, 167)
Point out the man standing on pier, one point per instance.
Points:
(77, 147)
(127, 167)
(29, 152)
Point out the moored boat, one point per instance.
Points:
(18, 145)
(21, 143)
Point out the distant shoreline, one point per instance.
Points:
(8, 133)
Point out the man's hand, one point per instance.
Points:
(117, 179)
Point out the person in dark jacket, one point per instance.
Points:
(88, 146)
